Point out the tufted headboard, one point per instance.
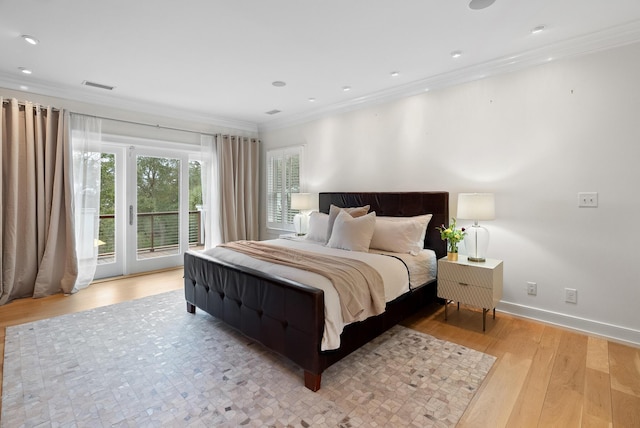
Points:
(398, 204)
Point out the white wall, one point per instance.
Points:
(535, 138)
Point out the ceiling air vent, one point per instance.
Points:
(97, 85)
(274, 111)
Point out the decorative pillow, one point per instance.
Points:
(400, 234)
(352, 233)
(318, 225)
(354, 211)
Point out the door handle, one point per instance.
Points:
(131, 215)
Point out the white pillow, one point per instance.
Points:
(400, 234)
(351, 233)
(334, 210)
(318, 226)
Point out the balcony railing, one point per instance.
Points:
(158, 231)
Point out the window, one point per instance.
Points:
(283, 178)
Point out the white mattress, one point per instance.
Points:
(391, 269)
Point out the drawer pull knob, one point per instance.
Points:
(463, 283)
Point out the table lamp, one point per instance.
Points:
(476, 207)
(304, 203)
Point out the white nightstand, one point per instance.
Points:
(473, 283)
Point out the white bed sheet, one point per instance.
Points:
(392, 271)
(423, 267)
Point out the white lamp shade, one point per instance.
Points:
(302, 201)
(476, 206)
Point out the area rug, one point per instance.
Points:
(148, 362)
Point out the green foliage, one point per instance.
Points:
(158, 192)
(195, 185)
(452, 235)
(158, 184)
(107, 183)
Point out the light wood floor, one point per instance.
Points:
(543, 376)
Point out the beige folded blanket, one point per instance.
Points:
(359, 286)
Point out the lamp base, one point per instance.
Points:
(476, 242)
(301, 223)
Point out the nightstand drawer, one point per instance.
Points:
(471, 275)
(481, 297)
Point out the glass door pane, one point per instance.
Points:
(111, 254)
(107, 228)
(158, 207)
(196, 229)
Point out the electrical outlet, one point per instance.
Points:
(532, 288)
(571, 295)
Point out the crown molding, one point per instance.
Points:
(578, 46)
(87, 95)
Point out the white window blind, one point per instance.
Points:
(283, 179)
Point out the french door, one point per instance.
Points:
(146, 221)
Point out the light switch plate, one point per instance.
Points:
(588, 199)
(571, 295)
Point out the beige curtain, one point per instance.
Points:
(238, 174)
(36, 230)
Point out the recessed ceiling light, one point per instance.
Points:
(25, 70)
(30, 39)
(346, 88)
(480, 4)
(538, 29)
(279, 83)
(395, 73)
(456, 54)
(24, 88)
(312, 100)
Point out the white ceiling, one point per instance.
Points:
(216, 60)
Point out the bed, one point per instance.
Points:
(288, 316)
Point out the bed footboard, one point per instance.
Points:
(283, 315)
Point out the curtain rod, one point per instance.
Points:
(24, 104)
(151, 125)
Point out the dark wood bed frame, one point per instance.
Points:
(288, 317)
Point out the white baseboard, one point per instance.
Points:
(610, 331)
